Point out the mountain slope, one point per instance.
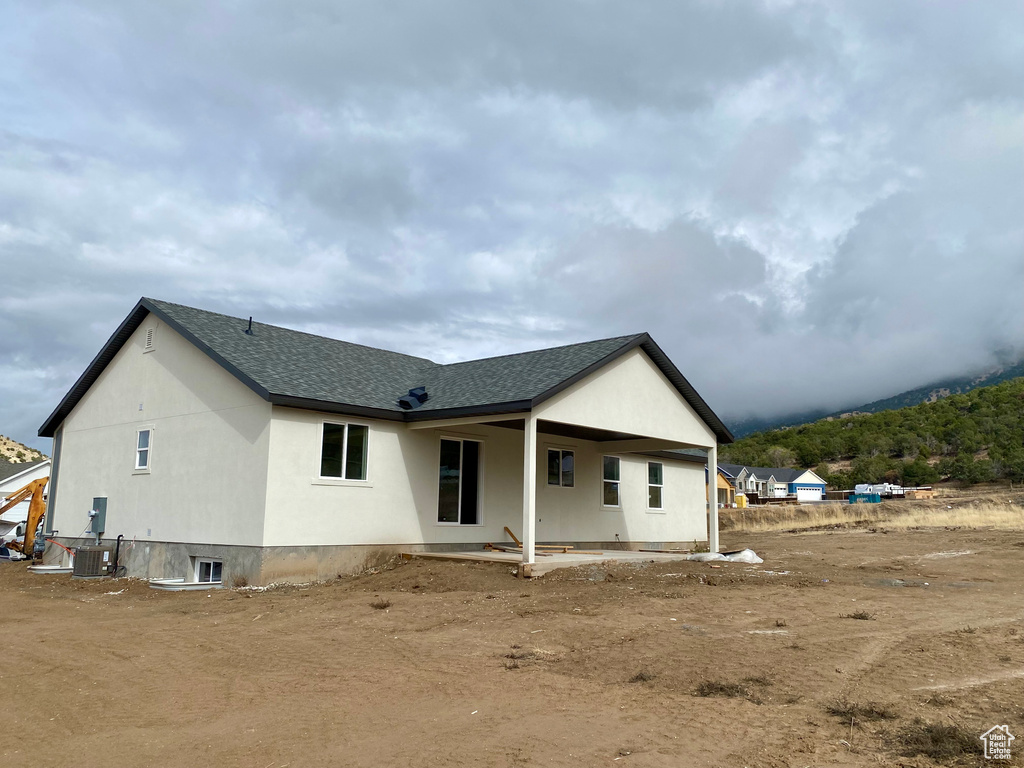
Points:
(926, 394)
(940, 389)
(970, 437)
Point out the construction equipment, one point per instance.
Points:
(36, 510)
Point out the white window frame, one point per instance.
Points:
(198, 566)
(655, 485)
(460, 439)
(343, 480)
(139, 468)
(604, 480)
(561, 450)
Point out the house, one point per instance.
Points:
(220, 448)
(744, 479)
(776, 482)
(14, 477)
(726, 491)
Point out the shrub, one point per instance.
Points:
(718, 688)
(871, 710)
(940, 742)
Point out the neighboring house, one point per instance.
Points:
(725, 493)
(14, 477)
(223, 450)
(744, 479)
(776, 482)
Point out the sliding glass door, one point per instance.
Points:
(459, 482)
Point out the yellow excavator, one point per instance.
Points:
(36, 510)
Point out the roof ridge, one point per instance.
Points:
(629, 337)
(291, 330)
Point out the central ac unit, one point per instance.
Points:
(93, 562)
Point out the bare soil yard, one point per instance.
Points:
(673, 664)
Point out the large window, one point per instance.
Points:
(655, 484)
(143, 447)
(561, 468)
(458, 497)
(610, 482)
(343, 451)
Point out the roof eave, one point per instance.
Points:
(327, 406)
(489, 409)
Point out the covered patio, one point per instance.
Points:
(540, 432)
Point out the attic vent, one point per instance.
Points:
(150, 333)
(414, 399)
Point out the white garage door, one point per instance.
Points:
(808, 494)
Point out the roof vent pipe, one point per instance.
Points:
(248, 331)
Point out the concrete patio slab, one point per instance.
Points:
(552, 561)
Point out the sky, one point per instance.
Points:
(806, 204)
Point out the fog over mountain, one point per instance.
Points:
(807, 204)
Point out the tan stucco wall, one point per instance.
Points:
(577, 514)
(398, 502)
(629, 395)
(207, 481)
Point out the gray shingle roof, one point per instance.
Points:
(286, 362)
(781, 474)
(512, 378)
(303, 370)
(10, 470)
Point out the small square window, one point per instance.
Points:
(343, 451)
(610, 482)
(561, 468)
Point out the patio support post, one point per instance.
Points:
(713, 498)
(529, 488)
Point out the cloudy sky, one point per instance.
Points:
(807, 204)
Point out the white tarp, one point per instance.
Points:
(742, 556)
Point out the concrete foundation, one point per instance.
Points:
(259, 566)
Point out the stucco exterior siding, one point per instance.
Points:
(397, 505)
(629, 395)
(578, 514)
(398, 502)
(208, 462)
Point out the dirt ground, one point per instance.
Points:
(587, 667)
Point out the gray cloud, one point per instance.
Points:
(795, 198)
